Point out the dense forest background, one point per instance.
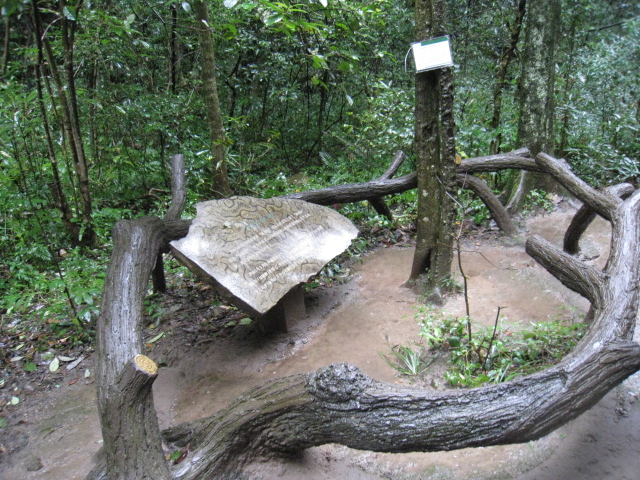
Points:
(97, 97)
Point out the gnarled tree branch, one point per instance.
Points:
(338, 403)
(385, 185)
(518, 159)
(178, 199)
(573, 274)
(496, 209)
(602, 203)
(136, 244)
(585, 215)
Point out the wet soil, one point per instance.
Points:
(55, 434)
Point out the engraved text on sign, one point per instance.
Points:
(259, 249)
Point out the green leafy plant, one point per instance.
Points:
(494, 355)
(63, 301)
(537, 199)
(406, 360)
(153, 308)
(440, 332)
(471, 207)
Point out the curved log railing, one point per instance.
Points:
(374, 190)
(178, 200)
(338, 403)
(585, 215)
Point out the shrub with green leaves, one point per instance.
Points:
(480, 355)
(537, 199)
(42, 296)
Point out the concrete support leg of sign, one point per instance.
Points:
(288, 309)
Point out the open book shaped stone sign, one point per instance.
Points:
(258, 251)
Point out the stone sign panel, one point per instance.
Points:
(258, 250)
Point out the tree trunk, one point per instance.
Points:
(129, 425)
(340, 404)
(505, 60)
(5, 46)
(568, 79)
(435, 153)
(221, 188)
(324, 94)
(93, 81)
(56, 186)
(89, 236)
(71, 123)
(173, 55)
(535, 126)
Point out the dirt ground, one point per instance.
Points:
(54, 435)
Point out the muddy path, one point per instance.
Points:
(55, 435)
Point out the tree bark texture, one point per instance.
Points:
(221, 188)
(537, 82)
(339, 403)
(129, 424)
(178, 200)
(70, 120)
(501, 75)
(441, 264)
(374, 190)
(435, 157)
(585, 215)
(56, 186)
(130, 444)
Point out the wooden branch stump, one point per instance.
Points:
(132, 442)
(132, 422)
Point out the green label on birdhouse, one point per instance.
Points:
(432, 54)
